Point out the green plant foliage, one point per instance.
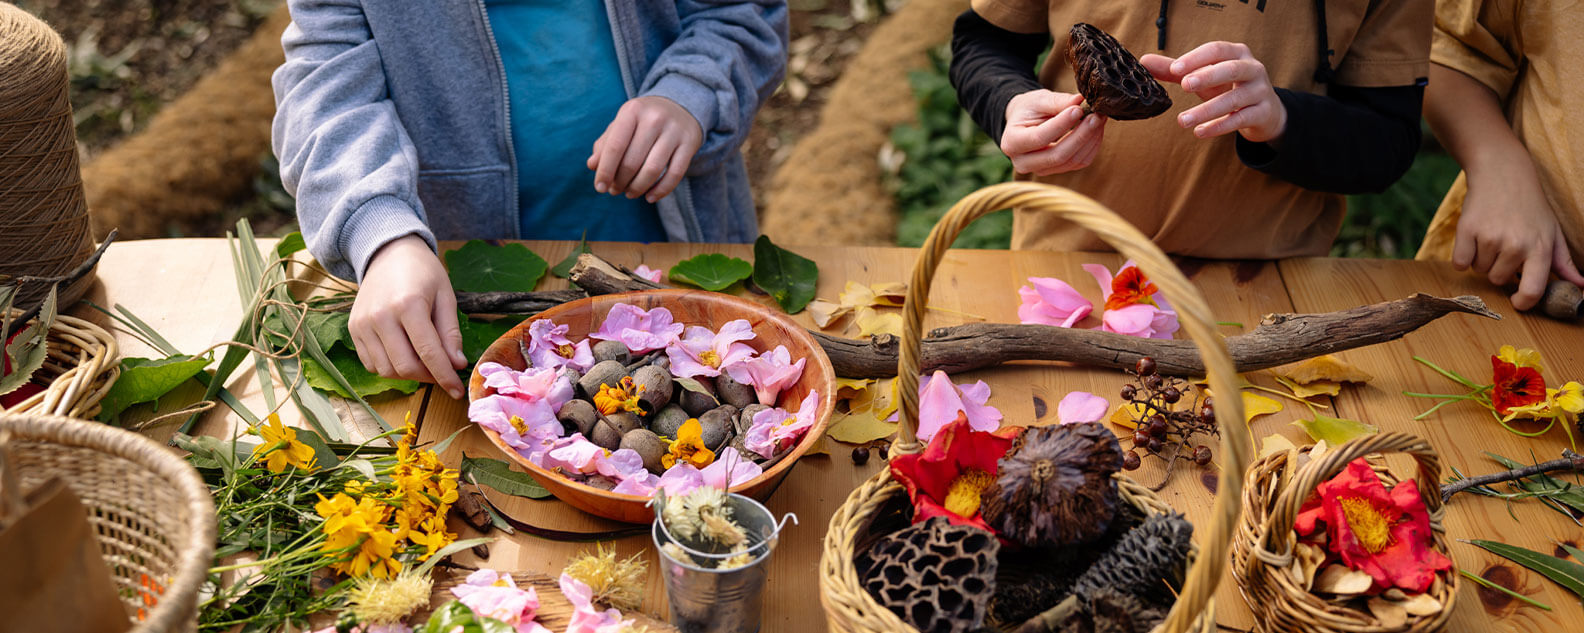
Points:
(146, 380)
(1563, 572)
(455, 616)
(944, 157)
(478, 334)
(788, 277)
(479, 267)
(363, 381)
(711, 271)
(1392, 224)
(27, 348)
(499, 475)
(565, 267)
(290, 244)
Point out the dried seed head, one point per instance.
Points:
(1055, 487)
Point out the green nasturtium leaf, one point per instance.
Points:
(565, 267)
(290, 244)
(363, 381)
(1564, 572)
(330, 328)
(787, 276)
(1335, 431)
(146, 380)
(479, 267)
(711, 271)
(499, 475)
(478, 334)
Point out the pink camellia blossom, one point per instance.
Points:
(585, 617)
(729, 469)
(549, 347)
(525, 425)
(1081, 406)
(649, 273)
(701, 352)
(1133, 306)
(769, 373)
(535, 384)
(775, 430)
(1051, 301)
(640, 330)
(495, 595)
(639, 484)
(940, 401)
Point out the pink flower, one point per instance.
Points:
(1133, 306)
(701, 352)
(572, 454)
(649, 273)
(769, 373)
(524, 425)
(775, 430)
(549, 347)
(1081, 406)
(535, 384)
(495, 595)
(940, 401)
(642, 331)
(1051, 301)
(585, 619)
(640, 484)
(726, 471)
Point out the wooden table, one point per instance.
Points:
(185, 289)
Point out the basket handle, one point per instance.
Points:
(1192, 311)
(1276, 542)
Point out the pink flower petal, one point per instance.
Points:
(680, 479)
(1102, 277)
(1133, 320)
(770, 373)
(1081, 406)
(641, 484)
(939, 403)
(729, 469)
(1051, 301)
(649, 273)
(495, 412)
(641, 331)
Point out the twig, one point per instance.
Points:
(1570, 461)
(66, 279)
(515, 302)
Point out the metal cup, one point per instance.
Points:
(709, 600)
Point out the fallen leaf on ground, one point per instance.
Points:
(1340, 580)
(860, 428)
(1325, 367)
(1316, 388)
(1336, 430)
(1127, 415)
(825, 313)
(871, 322)
(1255, 405)
(1273, 444)
(854, 298)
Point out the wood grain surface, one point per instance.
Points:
(185, 289)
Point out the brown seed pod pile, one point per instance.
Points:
(1110, 78)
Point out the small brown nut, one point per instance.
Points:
(667, 420)
(572, 375)
(602, 373)
(654, 387)
(624, 422)
(578, 416)
(745, 418)
(606, 436)
(734, 393)
(717, 426)
(694, 402)
(648, 446)
(611, 350)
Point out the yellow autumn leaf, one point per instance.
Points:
(820, 446)
(1335, 431)
(871, 322)
(825, 313)
(1255, 405)
(889, 293)
(1273, 444)
(860, 428)
(879, 399)
(847, 388)
(1316, 388)
(1325, 367)
(856, 295)
(1127, 415)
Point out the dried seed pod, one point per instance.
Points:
(606, 436)
(607, 372)
(935, 575)
(696, 403)
(623, 421)
(718, 426)
(734, 393)
(611, 350)
(578, 416)
(1111, 79)
(745, 418)
(523, 343)
(1054, 487)
(667, 420)
(1145, 555)
(654, 387)
(1106, 610)
(571, 375)
(648, 446)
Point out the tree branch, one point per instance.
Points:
(515, 302)
(1570, 461)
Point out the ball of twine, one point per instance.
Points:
(44, 229)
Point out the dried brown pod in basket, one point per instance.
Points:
(1111, 79)
(1055, 487)
(934, 574)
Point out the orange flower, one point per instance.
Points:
(1129, 287)
(1384, 534)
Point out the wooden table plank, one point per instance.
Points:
(1459, 432)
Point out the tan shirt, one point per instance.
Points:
(1192, 196)
(1519, 49)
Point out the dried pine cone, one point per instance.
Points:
(1112, 81)
(937, 576)
(1054, 487)
(1144, 557)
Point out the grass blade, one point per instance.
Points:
(1563, 572)
(1481, 580)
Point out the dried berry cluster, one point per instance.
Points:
(936, 575)
(1164, 430)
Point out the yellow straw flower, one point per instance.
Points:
(281, 448)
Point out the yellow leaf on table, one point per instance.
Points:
(1336, 430)
(1255, 405)
(1325, 367)
(1316, 388)
(871, 322)
(879, 399)
(860, 428)
(825, 313)
(1128, 414)
(856, 295)
(849, 388)
(889, 293)
(1273, 444)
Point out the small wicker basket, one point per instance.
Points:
(153, 515)
(1263, 551)
(83, 362)
(848, 607)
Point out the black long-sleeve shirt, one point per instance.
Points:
(991, 65)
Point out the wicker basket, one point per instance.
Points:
(152, 514)
(848, 607)
(1262, 554)
(83, 362)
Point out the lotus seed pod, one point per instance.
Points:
(1111, 79)
(937, 576)
(734, 393)
(648, 446)
(578, 416)
(667, 420)
(611, 350)
(602, 373)
(654, 387)
(1054, 487)
(718, 426)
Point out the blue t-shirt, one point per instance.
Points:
(565, 87)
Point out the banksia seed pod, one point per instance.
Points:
(935, 575)
(1054, 487)
(1146, 555)
(1112, 81)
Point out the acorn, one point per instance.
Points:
(734, 393)
(578, 416)
(648, 446)
(611, 350)
(654, 387)
(607, 372)
(718, 426)
(667, 420)
(1054, 487)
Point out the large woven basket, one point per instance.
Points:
(152, 514)
(83, 362)
(848, 607)
(1274, 491)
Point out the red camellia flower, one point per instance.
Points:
(1384, 534)
(958, 464)
(1515, 386)
(1130, 286)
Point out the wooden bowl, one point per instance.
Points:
(690, 307)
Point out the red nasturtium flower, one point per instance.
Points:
(1384, 534)
(1515, 385)
(1128, 287)
(958, 464)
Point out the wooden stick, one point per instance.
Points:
(515, 302)
(1280, 338)
(1570, 461)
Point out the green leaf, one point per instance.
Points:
(479, 267)
(1335, 431)
(214, 453)
(1552, 488)
(565, 267)
(447, 551)
(324, 458)
(1564, 572)
(363, 381)
(330, 328)
(146, 380)
(444, 444)
(1576, 553)
(787, 276)
(29, 347)
(499, 475)
(478, 334)
(454, 616)
(711, 271)
(362, 466)
(290, 244)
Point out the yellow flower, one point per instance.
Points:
(623, 397)
(689, 447)
(1562, 405)
(373, 558)
(281, 448)
(1524, 357)
(1570, 397)
(433, 536)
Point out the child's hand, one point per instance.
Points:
(646, 150)
(1237, 92)
(1508, 231)
(404, 321)
(1047, 133)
